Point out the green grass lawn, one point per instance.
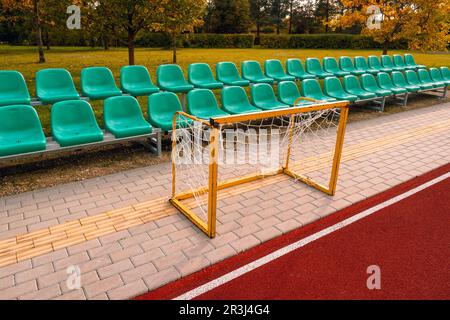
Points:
(24, 60)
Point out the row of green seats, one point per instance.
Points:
(73, 123)
(383, 85)
(54, 85)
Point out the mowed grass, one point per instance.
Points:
(24, 60)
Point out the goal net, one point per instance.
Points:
(225, 156)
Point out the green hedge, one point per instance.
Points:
(323, 41)
(198, 40)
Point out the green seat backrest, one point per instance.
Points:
(346, 63)
(409, 60)
(97, 78)
(274, 68)
(263, 94)
(233, 96)
(330, 64)
(351, 83)
(21, 120)
(332, 86)
(201, 101)
(13, 89)
(294, 67)
(227, 71)
(288, 92)
(368, 81)
(311, 88)
(435, 74)
(384, 80)
(411, 77)
(162, 106)
(169, 75)
(424, 76)
(72, 114)
(445, 72)
(398, 79)
(199, 73)
(54, 82)
(398, 60)
(374, 62)
(124, 108)
(361, 63)
(134, 77)
(313, 66)
(252, 70)
(387, 61)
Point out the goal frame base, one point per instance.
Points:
(209, 227)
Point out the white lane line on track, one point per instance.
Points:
(294, 246)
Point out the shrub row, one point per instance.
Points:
(323, 41)
(198, 40)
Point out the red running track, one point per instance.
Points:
(408, 240)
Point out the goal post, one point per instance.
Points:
(209, 156)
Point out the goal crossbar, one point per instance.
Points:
(209, 227)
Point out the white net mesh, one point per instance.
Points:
(253, 147)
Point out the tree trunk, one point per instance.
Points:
(327, 15)
(291, 14)
(385, 47)
(38, 31)
(174, 48)
(258, 33)
(47, 40)
(131, 37)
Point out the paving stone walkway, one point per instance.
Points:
(126, 239)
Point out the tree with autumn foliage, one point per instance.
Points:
(29, 10)
(181, 16)
(423, 23)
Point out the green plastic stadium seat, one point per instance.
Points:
(361, 65)
(170, 78)
(413, 79)
(385, 82)
(333, 88)
(288, 93)
(228, 73)
(203, 104)
(436, 76)
(445, 72)
(73, 123)
(161, 108)
(123, 117)
(386, 61)
(369, 83)
(251, 71)
(264, 98)
(347, 65)
(399, 81)
(352, 86)
(201, 76)
(98, 83)
(330, 65)
(311, 89)
(409, 61)
(13, 89)
(274, 69)
(53, 85)
(424, 77)
(313, 66)
(235, 101)
(400, 62)
(374, 63)
(294, 67)
(136, 81)
(20, 130)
